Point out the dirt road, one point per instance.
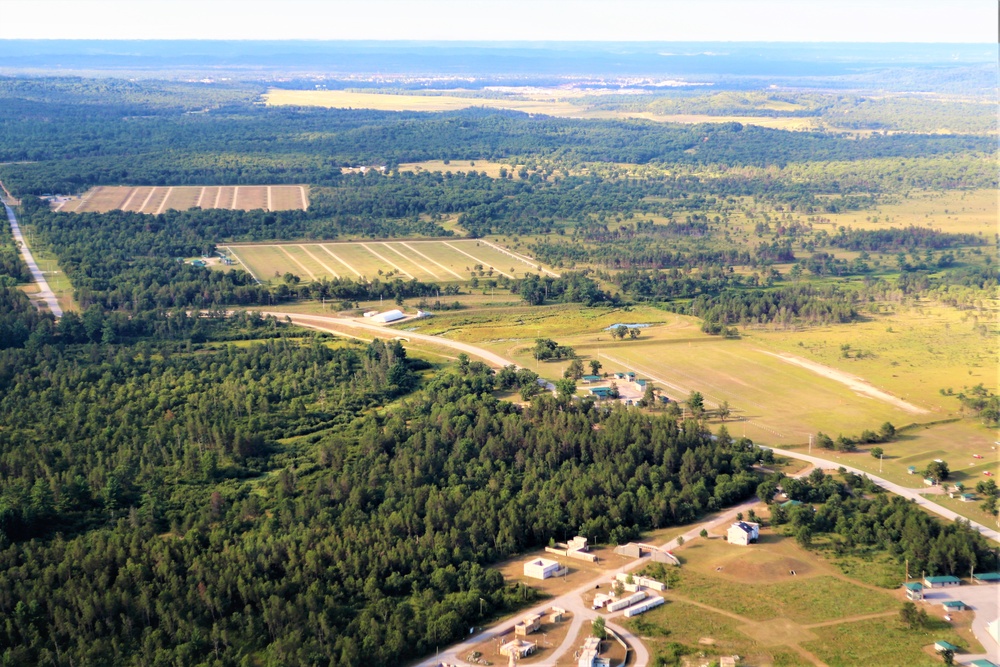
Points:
(337, 324)
(859, 385)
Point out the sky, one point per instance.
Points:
(506, 20)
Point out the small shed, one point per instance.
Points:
(986, 577)
(954, 605)
(914, 591)
(968, 497)
(942, 582)
(912, 470)
(942, 645)
(930, 481)
(528, 625)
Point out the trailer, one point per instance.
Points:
(651, 603)
(627, 602)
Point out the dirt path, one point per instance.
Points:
(857, 384)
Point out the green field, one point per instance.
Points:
(879, 641)
(439, 261)
(746, 601)
(777, 402)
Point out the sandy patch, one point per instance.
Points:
(858, 385)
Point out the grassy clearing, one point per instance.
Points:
(705, 631)
(955, 442)
(913, 352)
(880, 641)
(957, 211)
(341, 99)
(757, 583)
(491, 169)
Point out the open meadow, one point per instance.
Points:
(776, 401)
(551, 102)
(772, 604)
(342, 99)
(439, 261)
(159, 199)
(952, 211)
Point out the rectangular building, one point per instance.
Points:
(542, 568)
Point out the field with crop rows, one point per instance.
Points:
(440, 261)
(159, 199)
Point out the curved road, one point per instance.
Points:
(572, 601)
(325, 323)
(44, 292)
(911, 494)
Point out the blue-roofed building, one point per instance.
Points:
(986, 577)
(942, 582)
(983, 662)
(954, 605)
(589, 379)
(601, 392)
(942, 645)
(914, 590)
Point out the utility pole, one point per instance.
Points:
(880, 464)
(810, 443)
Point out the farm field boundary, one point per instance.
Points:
(433, 261)
(155, 200)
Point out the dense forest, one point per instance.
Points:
(179, 485)
(77, 134)
(152, 507)
(863, 519)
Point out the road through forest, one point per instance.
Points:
(318, 322)
(44, 292)
(572, 601)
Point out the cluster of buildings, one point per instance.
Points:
(637, 601)
(630, 388)
(639, 550)
(577, 548)
(916, 591)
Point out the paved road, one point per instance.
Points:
(912, 494)
(334, 324)
(44, 292)
(573, 602)
(984, 600)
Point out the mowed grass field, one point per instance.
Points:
(437, 261)
(775, 401)
(746, 601)
(159, 199)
